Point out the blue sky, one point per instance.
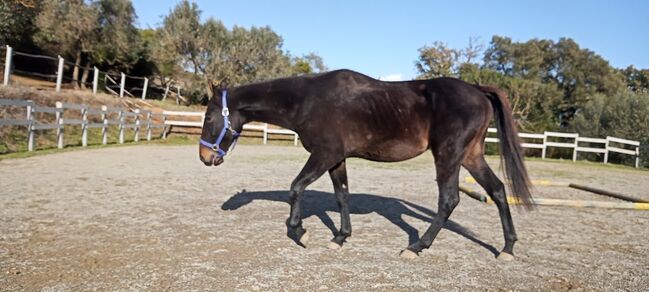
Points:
(381, 38)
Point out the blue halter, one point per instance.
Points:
(227, 126)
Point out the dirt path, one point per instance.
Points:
(154, 218)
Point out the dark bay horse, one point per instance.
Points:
(343, 114)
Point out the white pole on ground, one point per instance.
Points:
(95, 81)
(146, 84)
(8, 65)
(121, 85)
(59, 75)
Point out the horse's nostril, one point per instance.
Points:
(209, 161)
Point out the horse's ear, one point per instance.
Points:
(214, 88)
(218, 87)
(223, 85)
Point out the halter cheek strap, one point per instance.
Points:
(227, 126)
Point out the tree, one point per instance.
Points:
(118, 40)
(254, 55)
(437, 60)
(307, 64)
(17, 22)
(637, 80)
(184, 44)
(67, 28)
(578, 73)
(625, 114)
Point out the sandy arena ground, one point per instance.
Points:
(154, 218)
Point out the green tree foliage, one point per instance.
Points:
(211, 52)
(437, 60)
(17, 22)
(624, 115)
(118, 44)
(307, 64)
(578, 73)
(637, 80)
(67, 27)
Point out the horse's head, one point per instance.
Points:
(221, 128)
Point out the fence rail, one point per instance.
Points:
(573, 141)
(143, 119)
(140, 120)
(264, 128)
(115, 86)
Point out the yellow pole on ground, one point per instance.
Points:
(561, 202)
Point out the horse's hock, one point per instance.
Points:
(153, 217)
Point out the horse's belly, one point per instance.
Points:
(392, 150)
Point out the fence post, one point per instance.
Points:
(164, 126)
(606, 154)
(95, 81)
(104, 129)
(121, 85)
(148, 127)
(84, 127)
(574, 150)
(164, 97)
(121, 126)
(146, 85)
(59, 119)
(8, 65)
(177, 95)
(30, 131)
(637, 156)
(545, 140)
(137, 125)
(59, 75)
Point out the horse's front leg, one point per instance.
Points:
(339, 178)
(317, 164)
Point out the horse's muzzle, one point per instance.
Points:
(209, 157)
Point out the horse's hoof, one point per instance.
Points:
(334, 246)
(504, 256)
(408, 254)
(304, 238)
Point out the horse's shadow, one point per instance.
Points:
(318, 203)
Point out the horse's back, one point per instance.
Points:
(389, 121)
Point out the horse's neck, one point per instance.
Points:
(267, 104)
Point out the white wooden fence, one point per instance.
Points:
(175, 118)
(576, 143)
(141, 119)
(112, 86)
(117, 117)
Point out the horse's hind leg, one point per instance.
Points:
(312, 170)
(448, 169)
(339, 178)
(483, 174)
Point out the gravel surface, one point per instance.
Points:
(154, 218)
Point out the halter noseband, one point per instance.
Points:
(227, 126)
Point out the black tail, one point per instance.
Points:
(510, 147)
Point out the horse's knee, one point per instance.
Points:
(342, 198)
(449, 202)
